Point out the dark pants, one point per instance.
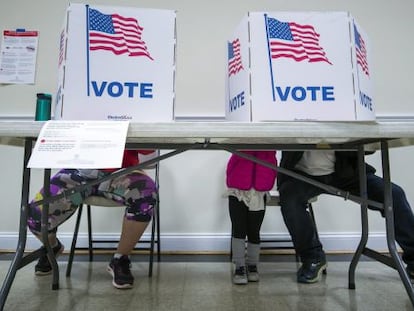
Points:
(245, 223)
(294, 195)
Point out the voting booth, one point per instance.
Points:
(116, 63)
(286, 66)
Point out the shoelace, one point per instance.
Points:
(124, 265)
(240, 271)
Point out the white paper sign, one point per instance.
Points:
(80, 144)
(18, 56)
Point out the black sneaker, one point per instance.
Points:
(120, 269)
(43, 266)
(311, 271)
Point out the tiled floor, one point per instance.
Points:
(206, 285)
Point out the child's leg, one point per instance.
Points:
(255, 220)
(238, 215)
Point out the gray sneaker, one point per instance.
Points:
(240, 276)
(252, 273)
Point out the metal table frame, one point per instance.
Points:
(201, 140)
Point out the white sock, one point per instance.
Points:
(118, 255)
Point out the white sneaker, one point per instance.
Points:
(240, 276)
(252, 273)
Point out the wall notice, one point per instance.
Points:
(18, 56)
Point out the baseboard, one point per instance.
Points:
(332, 242)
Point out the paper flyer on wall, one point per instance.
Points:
(18, 54)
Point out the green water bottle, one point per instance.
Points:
(43, 107)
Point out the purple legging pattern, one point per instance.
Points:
(135, 190)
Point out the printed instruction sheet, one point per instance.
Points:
(80, 144)
(18, 54)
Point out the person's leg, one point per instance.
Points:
(403, 215)
(131, 233)
(59, 212)
(238, 216)
(254, 223)
(138, 192)
(43, 265)
(294, 197)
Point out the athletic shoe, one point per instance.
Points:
(240, 276)
(252, 273)
(120, 269)
(43, 266)
(311, 271)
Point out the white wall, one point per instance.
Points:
(194, 213)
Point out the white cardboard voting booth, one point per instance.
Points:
(286, 66)
(116, 63)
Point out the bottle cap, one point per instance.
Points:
(43, 96)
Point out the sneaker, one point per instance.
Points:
(252, 273)
(311, 271)
(43, 266)
(120, 269)
(240, 276)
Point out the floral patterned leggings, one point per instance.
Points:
(135, 190)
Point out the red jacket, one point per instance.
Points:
(244, 174)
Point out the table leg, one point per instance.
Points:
(21, 245)
(45, 231)
(364, 218)
(389, 221)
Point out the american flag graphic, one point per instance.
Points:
(292, 40)
(116, 33)
(361, 52)
(61, 47)
(234, 56)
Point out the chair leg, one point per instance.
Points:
(158, 239)
(151, 255)
(155, 227)
(90, 246)
(231, 249)
(74, 239)
(157, 212)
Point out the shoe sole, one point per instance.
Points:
(318, 277)
(253, 279)
(43, 273)
(240, 282)
(118, 286)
